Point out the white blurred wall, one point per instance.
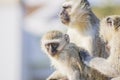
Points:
(8, 2)
(9, 40)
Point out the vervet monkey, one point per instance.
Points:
(83, 26)
(63, 55)
(110, 33)
(66, 57)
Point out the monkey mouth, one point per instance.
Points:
(53, 53)
(65, 20)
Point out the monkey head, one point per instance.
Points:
(109, 26)
(73, 10)
(53, 42)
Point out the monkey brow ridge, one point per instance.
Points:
(53, 35)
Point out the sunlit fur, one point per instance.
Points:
(65, 62)
(83, 26)
(68, 63)
(50, 37)
(110, 33)
(80, 14)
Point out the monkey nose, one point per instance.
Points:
(54, 50)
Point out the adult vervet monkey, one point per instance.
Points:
(83, 26)
(110, 33)
(66, 57)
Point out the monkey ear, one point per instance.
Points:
(85, 4)
(110, 21)
(66, 37)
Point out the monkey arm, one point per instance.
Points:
(84, 55)
(100, 64)
(56, 76)
(103, 66)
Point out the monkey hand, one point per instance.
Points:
(84, 55)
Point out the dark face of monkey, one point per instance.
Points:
(75, 12)
(52, 48)
(64, 15)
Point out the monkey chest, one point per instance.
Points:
(81, 41)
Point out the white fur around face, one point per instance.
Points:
(64, 68)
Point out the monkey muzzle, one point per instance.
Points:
(64, 16)
(52, 48)
(53, 51)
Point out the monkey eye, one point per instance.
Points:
(55, 45)
(52, 45)
(109, 21)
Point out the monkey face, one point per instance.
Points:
(64, 15)
(113, 21)
(109, 26)
(54, 42)
(68, 9)
(74, 12)
(52, 48)
(55, 47)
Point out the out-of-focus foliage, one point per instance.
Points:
(105, 11)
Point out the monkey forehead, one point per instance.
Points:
(114, 17)
(51, 41)
(52, 35)
(70, 2)
(67, 3)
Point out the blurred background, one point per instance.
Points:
(22, 24)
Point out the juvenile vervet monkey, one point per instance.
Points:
(83, 26)
(66, 57)
(110, 33)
